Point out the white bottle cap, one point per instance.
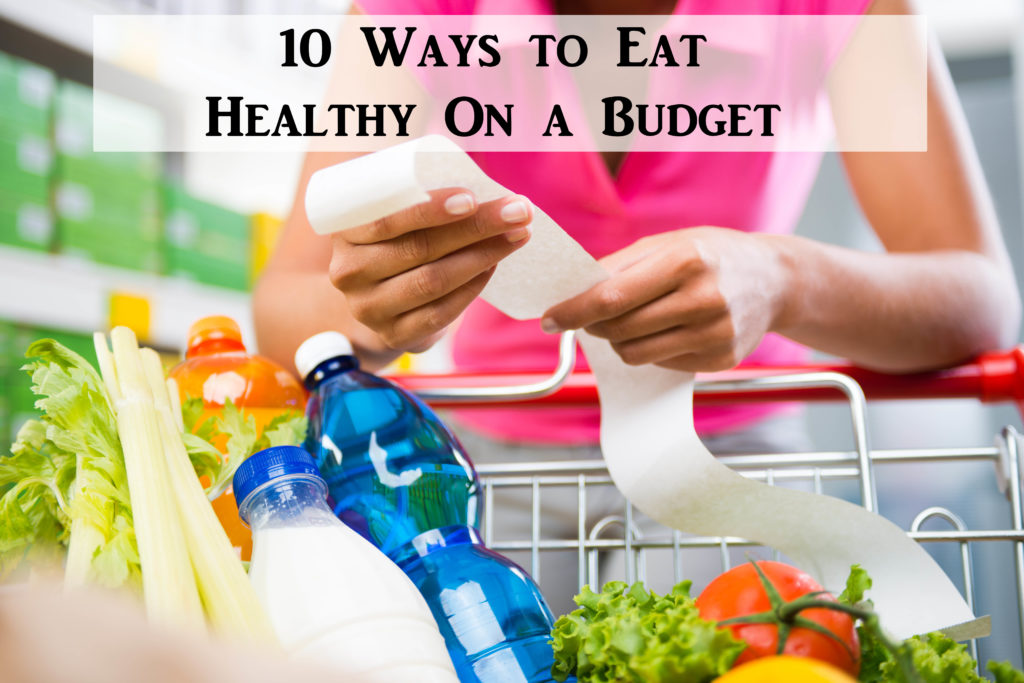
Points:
(319, 348)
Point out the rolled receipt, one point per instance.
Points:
(653, 453)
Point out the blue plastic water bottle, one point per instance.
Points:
(399, 477)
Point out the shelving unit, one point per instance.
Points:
(69, 293)
(74, 295)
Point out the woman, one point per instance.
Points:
(705, 270)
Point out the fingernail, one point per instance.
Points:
(458, 204)
(517, 235)
(550, 326)
(514, 212)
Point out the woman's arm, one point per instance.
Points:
(390, 286)
(294, 298)
(701, 299)
(945, 290)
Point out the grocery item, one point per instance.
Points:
(929, 658)
(26, 154)
(102, 488)
(785, 668)
(331, 596)
(400, 478)
(218, 370)
(206, 242)
(627, 633)
(652, 637)
(673, 479)
(107, 205)
(745, 597)
(188, 567)
(27, 91)
(70, 454)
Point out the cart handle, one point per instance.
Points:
(995, 377)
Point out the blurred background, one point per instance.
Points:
(154, 241)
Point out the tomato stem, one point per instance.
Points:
(785, 615)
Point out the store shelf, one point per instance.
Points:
(67, 293)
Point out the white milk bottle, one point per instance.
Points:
(331, 596)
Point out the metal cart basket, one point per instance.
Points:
(997, 377)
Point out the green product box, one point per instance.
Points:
(101, 233)
(225, 249)
(210, 245)
(94, 211)
(25, 223)
(22, 337)
(192, 224)
(26, 164)
(103, 179)
(17, 402)
(73, 128)
(207, 216)
(20, 397)
(27, 91)
(8, 352)
(207, 270)
(142, 256)
(90, 234)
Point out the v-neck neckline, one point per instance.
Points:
(612, 180)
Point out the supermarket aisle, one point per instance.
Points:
(151, 252)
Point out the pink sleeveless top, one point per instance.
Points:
(652, 192)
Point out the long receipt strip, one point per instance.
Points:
(647, 435)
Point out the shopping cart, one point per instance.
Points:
(996, 377)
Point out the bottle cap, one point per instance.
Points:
(214, 328)
(268, 465)
(319, 348)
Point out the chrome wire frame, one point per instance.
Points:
(814, 467)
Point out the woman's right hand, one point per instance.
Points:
(409, 275)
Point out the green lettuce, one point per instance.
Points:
(64, 496)
(936, 658)
(632, 634)
(930, 658)
(1004, 672)
(66, 474)
(242, 437)
(35, 484)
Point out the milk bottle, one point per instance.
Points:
(331, 596)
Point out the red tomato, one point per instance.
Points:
(739, 592)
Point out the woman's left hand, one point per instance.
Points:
(697, 299)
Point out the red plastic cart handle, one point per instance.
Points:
(992, 378)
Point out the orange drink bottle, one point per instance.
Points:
(217, 368)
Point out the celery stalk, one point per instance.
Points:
(169, 586)
(228, 597)
(85, 539)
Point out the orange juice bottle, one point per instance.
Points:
(218, 368)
